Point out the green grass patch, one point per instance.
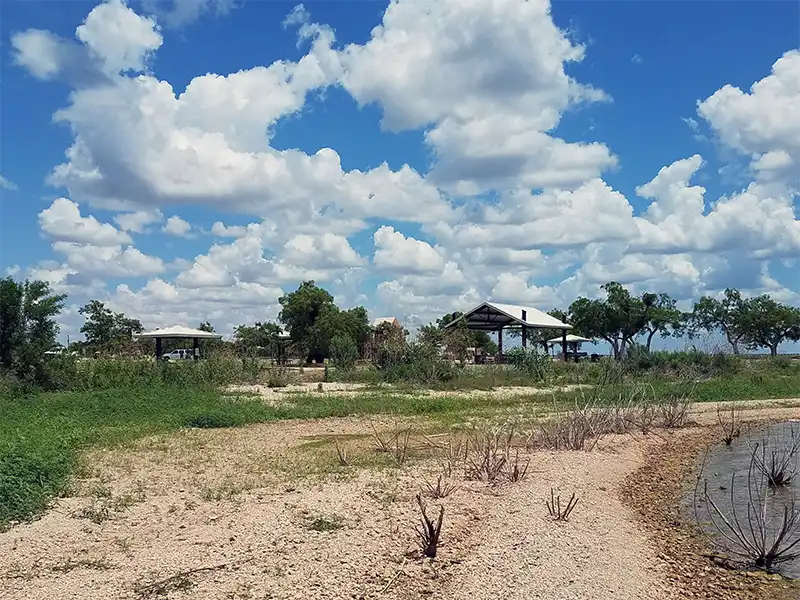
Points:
(42, 434)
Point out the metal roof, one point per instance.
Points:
(179, 331)
(491, 316)
(570, 338)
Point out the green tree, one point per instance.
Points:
(251, 339)
(766, 323)
(663, 317)
(618, 319)
(206, 326)
(457, 335)
(104, 329)
(313, 319)
(300, 310)
(726, 315)
(27, 325)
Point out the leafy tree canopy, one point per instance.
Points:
(104, 328)
(313, 320)
(27, 325)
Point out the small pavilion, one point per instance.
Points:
(573, 343)
(493, 316)
(179, 332)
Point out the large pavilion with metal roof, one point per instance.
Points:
(494, 316)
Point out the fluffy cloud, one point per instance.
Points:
(486, 81)
(108, 261)
(138, 221)
(63, 221)
(326, 250)
(138, 145)
(177, 226)
(396, 252)
(118, 38)
(764, 123)
(489, 77)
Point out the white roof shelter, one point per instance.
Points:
(180, 331)
(493, 316)
(571, 339)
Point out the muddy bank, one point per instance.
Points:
(654, 493)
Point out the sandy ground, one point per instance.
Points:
(352, 389)
(267, 512)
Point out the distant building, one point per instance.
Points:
(390, 320)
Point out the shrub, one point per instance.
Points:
(531, 362)
(420, 363)
(211, 421)
(30, 477)
(344, 352)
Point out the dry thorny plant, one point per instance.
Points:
(441, 489)
(775, 458)
(760, 526)
(554, 508)
(428, 532)
(395, 443)
(490, 454)
(729, 423)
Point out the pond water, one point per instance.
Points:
(728, 469)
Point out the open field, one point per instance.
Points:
(180, 489)
(268, 511)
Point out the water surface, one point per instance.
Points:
(728, 468)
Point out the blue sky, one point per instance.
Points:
(462, 151)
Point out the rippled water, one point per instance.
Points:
(728, 467)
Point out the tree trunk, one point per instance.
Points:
(773, 349)
(650, 337)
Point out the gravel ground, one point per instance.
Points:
(264, 512)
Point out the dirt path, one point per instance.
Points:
(273, 515)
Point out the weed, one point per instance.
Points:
(97, 512)
(554, 508)
(728, 419)
(325, 524)
(428, 532)
(70, 564)
(441, 489)
(341, 455)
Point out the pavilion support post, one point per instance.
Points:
(524, 337)
(195, 347)
(158, 348)
(564, 344)
(500, 344)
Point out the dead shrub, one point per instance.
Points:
(674, 412)
(396, 443)
(776, 459)
(729, 423)
(554, 508)
(441, 489)
(516, 470)
(486, 451)
(428, 532)
(341, 455)
(579, 428)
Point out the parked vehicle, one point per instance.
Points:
(181, 354)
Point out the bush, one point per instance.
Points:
(531, 362)
(30, 477)
(343, 352)
(212, 421)
(420, 363)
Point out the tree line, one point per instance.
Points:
(319, 329)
